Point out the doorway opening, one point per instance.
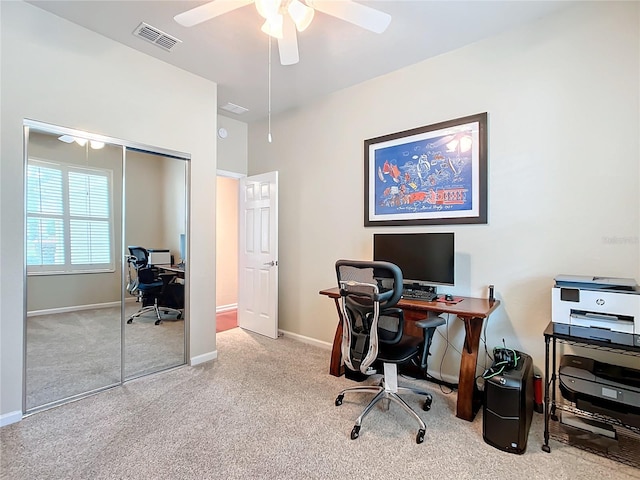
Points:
(227, 251)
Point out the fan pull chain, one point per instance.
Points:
(269, 95)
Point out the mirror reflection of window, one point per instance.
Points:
(69, 218)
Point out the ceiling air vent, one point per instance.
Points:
(233, 108)
(155, 36)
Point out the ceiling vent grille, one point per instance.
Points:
(155, 36)
(233, 108)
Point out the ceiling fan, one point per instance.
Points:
(284, 17)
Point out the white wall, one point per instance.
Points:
(57, 72)
(232, 150)
(563, 100)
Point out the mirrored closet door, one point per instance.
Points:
(87, 199)
(155, 220)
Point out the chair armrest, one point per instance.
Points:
(430, 322)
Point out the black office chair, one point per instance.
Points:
(152, 287)
(373, 333)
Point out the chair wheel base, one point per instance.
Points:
(355, 433)
(426, 406)
(130, 320)
(157, 322)
(339, 400)
(420, 436)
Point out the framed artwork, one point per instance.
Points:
(432, 175)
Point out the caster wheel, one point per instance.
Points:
(355, 433)
(546, 448)
(339, 400)
(420, 436)
(157, 322)
(130, 320)
(427, 404)
(179, 316)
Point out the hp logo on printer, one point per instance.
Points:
(600, 301)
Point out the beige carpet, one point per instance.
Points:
(265, 409)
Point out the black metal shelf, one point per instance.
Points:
(624, 448)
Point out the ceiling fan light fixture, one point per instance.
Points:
(268, 8)
(300, 14)
(273, 26)
(81, 141)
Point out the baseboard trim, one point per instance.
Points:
(9, 418)
(445, 377)
(77, 308)
(226, 308)
(206, 357)
(307, 340)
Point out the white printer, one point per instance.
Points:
(159, 256)
(598, 308)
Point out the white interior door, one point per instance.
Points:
(258, 254)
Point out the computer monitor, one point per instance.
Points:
(426, 259)
(183, 248)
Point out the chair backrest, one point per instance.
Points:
(368, 290)
(147, 275)
(140, 256)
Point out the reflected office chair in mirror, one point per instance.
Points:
(154, 289)
(373, 334)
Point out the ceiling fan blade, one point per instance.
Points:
(288, 44)
(352, 12)
(208, 11)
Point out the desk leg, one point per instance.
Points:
(468, 402)
(336, 368)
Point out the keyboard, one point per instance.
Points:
(413, 294)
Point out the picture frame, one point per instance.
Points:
(431, 175)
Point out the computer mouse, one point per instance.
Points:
(448, 297)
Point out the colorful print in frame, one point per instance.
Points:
(432, 175)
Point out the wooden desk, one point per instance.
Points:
(472, 311)
(177, 269)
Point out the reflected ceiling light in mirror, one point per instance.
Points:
(95, 144)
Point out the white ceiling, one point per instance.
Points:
(232, 51)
